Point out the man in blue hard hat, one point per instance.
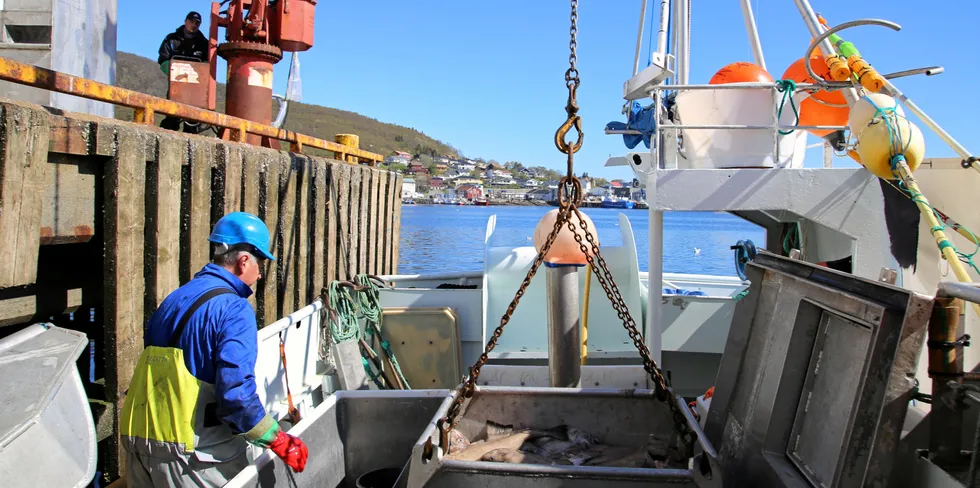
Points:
(192, 408)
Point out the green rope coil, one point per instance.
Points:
(370, 305)
(345, 327)
(740, 295)
(787, 88)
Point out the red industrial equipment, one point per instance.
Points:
(257, 32)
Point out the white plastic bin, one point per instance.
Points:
(737, 148)
(47, 435)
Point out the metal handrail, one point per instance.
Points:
(775, 127)
(147, 105)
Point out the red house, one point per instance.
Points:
(469, 191)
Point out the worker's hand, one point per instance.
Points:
(291, 450)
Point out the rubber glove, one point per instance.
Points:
(165, 67)
(291, 450)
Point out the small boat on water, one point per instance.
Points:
(481, 201)
(612, 201)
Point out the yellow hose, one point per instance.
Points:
(585, 314)
(935, 226)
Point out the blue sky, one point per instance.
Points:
(487, 76)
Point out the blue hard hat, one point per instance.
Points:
(242, 228)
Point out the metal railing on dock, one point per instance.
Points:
(146, 106)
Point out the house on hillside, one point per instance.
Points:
(467, 180)
(530, 183)
(436, 183)
(415, 168)
(441, 167)
(464, 166)
(441, 160)
(469, 192)
(396, 159)
(408, 188)
(529, 173)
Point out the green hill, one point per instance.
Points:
(141, 74)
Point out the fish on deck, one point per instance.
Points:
(561, 445)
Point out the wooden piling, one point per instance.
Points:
(125, 184)
(163, 222)
(24, 150)
(318, 227)
(301, 266)
(268, 305)
(354, 223)
(364, 224)
(287, 234)
(196, 209)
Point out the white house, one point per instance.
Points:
(530, 183)
(408, 187)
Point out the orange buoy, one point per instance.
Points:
(741, 72)
(812, 112)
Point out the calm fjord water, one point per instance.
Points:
(445, 238)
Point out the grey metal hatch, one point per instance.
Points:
(816, 377)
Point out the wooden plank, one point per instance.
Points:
(24, 155)
(17, 310)
(354, 221)
(343, 213)
(377, 205)
(268, 289)
(318, 229)
(304, 176)
(195, 209)
(230, 165)
(123, 292)
(163, 223)
(251, 184)
(288, 232)
(70, 135)
(394, 191)
(396, 233)
(332, 265)
(364, 228)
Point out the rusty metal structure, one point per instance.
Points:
(256, 36)
(147, 105)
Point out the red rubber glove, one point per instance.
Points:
(291, 450)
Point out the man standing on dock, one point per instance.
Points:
(192, 406)
(189, 44)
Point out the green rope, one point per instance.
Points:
(370, 302)
(345, 327)
(898, 156)
(792, 239)
(740, 295)
(787, 88)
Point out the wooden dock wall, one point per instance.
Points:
(111, 217)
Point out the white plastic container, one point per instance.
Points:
(738, 148)
(47, 435)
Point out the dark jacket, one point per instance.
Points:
(178, 44)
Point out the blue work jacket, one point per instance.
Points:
(220, 342)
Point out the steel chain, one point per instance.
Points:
(569, 198)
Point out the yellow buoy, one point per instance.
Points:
(885, 137)
(866, 107)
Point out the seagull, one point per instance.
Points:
(697, 252)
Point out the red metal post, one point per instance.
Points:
(250, 81)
